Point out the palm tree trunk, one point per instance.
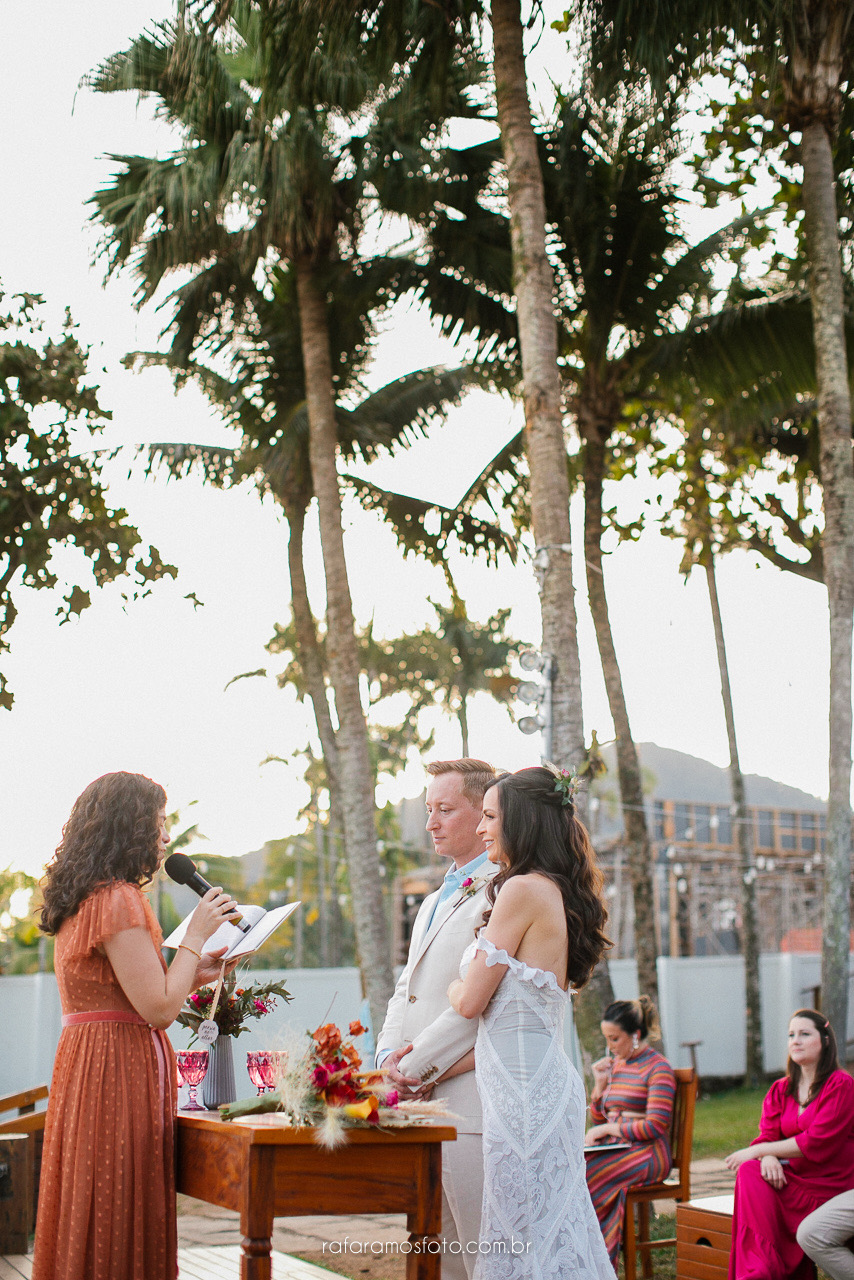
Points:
(299, 929)
(306, 634)
(837, 478)
(354, 764)
(744, 842)
(463, 717)
(546, 451)
(628, 765)
(587, 1009)
(322, 895)
(336, 922)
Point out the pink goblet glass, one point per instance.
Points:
(270, 1070)
(257, 1064)
(193, 1065)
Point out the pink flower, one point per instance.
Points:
(320, 1077)
(195, 999)
(260, 1006)
(467, 882)
(391, 1099)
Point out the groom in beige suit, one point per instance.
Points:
(422, 1036)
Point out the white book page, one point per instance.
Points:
(261, 930)
(227, 935)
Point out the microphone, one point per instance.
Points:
(182, 870)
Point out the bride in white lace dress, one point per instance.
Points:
(538, 1221)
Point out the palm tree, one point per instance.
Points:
(626, 282)
(447, 662)
(424, 43)
(533, 286)
(696, 527)
(807, 48)
(262, 393)
(294, 155)
(637, 320)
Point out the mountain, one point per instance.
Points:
(673, 775)
(678, 776)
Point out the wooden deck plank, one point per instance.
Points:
(16, 1265)
(219, 1262)
(208, 1264)
(222, 1262)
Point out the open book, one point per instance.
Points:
(228, 935)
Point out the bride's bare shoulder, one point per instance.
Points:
(530, 886)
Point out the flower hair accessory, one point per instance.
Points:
(566, 784)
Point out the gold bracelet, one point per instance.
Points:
(182, 946)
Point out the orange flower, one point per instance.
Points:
(350, 1055)
(373, 1079)
(328, 1040)
(356, 1028)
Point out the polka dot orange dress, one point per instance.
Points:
(107, 1197)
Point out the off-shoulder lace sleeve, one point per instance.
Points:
(497, 955)
(106, 912)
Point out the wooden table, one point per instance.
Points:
(263, 1170)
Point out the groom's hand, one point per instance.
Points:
(407, 1086)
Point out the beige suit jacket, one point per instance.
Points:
(419, 1013)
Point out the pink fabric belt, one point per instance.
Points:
(120, 1015)
(107, 1015)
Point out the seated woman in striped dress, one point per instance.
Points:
(632, 1102)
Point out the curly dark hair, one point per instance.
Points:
(113, 833)
(541, 832)
(828, 1060)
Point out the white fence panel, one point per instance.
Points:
(31, 1013)
(701, 998)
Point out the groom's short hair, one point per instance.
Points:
(477, 776)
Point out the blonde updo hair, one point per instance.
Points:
(635, 1017)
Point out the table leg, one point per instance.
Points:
(424, 1260)
(256, 1216)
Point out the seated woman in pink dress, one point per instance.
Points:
(808, 1123)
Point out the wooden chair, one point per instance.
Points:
(31, 1122)
(677, 1186)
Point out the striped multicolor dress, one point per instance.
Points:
(644, 1083)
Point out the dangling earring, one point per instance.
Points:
(635, 1042)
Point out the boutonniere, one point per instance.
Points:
(470, 885)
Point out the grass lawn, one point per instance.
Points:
(726, 1121)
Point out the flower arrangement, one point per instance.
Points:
(321, 1084)
(234, 1007)
(470, 886)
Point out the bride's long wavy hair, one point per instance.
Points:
(113, 833)
(541, 832)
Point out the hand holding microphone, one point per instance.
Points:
(182, 870)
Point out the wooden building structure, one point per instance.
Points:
(697, 878)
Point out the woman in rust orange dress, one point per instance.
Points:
(107, 1201)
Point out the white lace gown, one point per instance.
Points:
(538, 1220)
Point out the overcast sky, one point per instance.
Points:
(143, 687)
